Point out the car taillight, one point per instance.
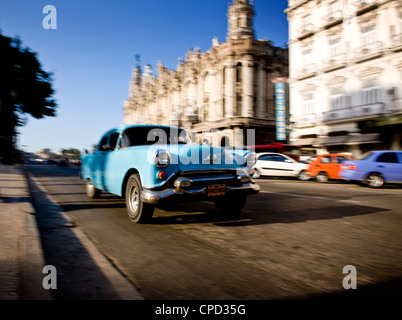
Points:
(351, 167)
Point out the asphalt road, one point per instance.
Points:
(291, 241)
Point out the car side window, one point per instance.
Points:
(389, 157)
(279, 158)
(340, 159)
(113, 140)
(265, 157)
(326, 159)
(103, 144)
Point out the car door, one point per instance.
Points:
(99, 162)
(276, 165)
(335, 169)
(263, 164)
(111, 162)
(323, 165)
(388, 164)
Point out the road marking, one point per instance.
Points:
(313, 197)
(298, 195)
(349, 201)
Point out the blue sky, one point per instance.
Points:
(92, 54)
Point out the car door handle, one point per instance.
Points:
(380, 166)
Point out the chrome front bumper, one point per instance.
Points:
(174, 194)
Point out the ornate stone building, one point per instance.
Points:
(216, 94)
(346, 74)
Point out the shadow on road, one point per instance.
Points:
(78, 275)
(266, 208)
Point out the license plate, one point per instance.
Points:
(218, 190)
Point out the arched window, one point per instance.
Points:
(225, 142)
(239, 72)
(239, 105)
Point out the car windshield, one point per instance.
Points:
(137, 136)
(365, 156)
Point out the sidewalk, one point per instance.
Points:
(21, 258)
(22, 255)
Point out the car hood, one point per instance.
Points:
(194, 156)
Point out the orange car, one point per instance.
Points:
(327, 166)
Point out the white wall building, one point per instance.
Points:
(345, 66)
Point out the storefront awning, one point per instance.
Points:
(334, 141)
(303, 142)
(363, 138)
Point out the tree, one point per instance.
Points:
(25, 89)
(71, 153)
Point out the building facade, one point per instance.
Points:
(345, 74)
(217, 94)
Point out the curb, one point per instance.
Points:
(33, 259)
(122, 286)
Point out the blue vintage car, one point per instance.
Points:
(150, 165)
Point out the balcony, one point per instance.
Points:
(306, 31)
(335, 62)
(368, 51)
(296, 3)
(332, 19)
(364, 6)
(354, 113)
(306, 71)
(396, 42)
(306, 120)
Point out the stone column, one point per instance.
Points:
(230, 90)
(247, 109)
(261, 91)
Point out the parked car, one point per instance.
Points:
(327, 166)
(151, 165)
(375, 168)
(279, 165)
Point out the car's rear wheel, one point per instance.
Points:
(322, 177)
(374, 180)
(137, 210)
(303, 175)
(92, 191)
(231, 205)
(256, 174)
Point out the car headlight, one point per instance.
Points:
(250, 159)
(162, 158)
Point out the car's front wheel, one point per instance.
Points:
(374, 180)
(137, 210)
(231, 205)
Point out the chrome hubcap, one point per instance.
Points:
(134, 199)
(90, 187)
(375, 181)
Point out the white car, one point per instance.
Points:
(279, 165)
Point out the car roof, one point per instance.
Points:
(380, 151)
(122, 127)
(334, 154)
(262, 153)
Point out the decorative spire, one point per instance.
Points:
(240, 20)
